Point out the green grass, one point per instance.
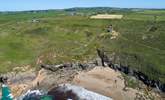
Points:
(59, 38)
(146, 55)
(131, 81)
(153, 12)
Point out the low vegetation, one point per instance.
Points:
(70, 35)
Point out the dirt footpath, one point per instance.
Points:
(106, 82)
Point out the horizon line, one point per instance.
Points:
(80, 7)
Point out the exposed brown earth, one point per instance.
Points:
(105, 81)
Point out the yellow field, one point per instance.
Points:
(106, 16)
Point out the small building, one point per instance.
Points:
(110, 28)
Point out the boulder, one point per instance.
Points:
(72, 92)
(55, 67)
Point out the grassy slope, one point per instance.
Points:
(146, 55)
(60, 38)
(22, 41)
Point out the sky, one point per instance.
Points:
(20, 5)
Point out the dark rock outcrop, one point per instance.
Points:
(104, 58)
(130, 71)
(3, 79)
(55, 67)
(72, 92)
(58, 93)
(81, 66)
(141, 76)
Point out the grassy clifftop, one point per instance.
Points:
(56, 37)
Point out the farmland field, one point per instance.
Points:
(55, 37)
(107, 16)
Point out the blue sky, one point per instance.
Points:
(18, 5)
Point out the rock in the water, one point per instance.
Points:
(71, 92)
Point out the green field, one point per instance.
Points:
(58, 36)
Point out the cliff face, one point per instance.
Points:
(110, 61)
(87, 75)
(105, 81)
